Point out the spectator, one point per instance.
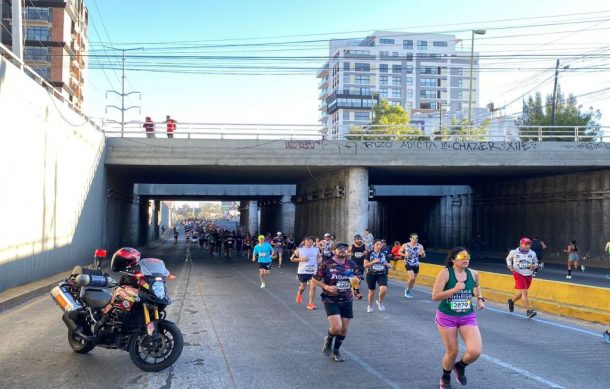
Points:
(149, 127)
(171, 127)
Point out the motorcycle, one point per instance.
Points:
(127, 315)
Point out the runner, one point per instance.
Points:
(522, 262)
(175, 235)
(377, 266)
(395, 254)
(278, 247)
(308, 258)
(337, 276)
(228, 244)
(263, 252)
(357, 252)
(212, 239)
(537, 246)
(327, 246)
(573, 258)
(412, 252)
(454, 288)
(368, 239)
(247, 245)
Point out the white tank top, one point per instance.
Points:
(311, 266)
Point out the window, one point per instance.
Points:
(363, 79)
(368, 103)
(361, 116)
(365, 91)
(396, 81)
(38, 14)
(37, 33)
(407, 44)
(427, 94)
(358, 52)
(459, 83)
(396, 68)
(383, 80)
(409, 81)
(460, 95)
(428, 70)
(363, 67)
(428, 82)
(385, 41)
(384, 53)
(346, 79)
(410, 57)
(345, 115)
(395, 103)
(409, 69)
(383, 93)
(422, 45)
(410, 93)
(394, 53)
(458, 71)
(44, 71)
(439, 44)
(37, 54)
(396, 94)
(346, 66)
(383, 68)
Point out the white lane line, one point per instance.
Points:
(559, 325)
(359, 361)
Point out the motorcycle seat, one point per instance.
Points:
(97, 298)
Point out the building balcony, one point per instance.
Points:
(323, 72)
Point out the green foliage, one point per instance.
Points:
(461, 131)
(395, 122)
(567, 113)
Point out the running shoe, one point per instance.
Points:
(568, 277)
(409, 294)
(460, 373)
(262, 285)
(336, 355)
(445, 383)
(380, 306)
(607, 337)
(582, 267)
(369, 308)
(311, 307)
(327, 345)
(299, 298)
(358, 296)
(511, 305)
(531, 313)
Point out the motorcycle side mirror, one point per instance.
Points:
(100, 253)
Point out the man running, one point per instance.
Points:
(358, 252)
(377, 266)
(278, 247)
(308, 258)
(412, 252)
(337, 276)
(368, 239)
(263, 252)
(327, 246)
(228, 244)
(522, 262)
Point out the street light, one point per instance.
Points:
(478, 32)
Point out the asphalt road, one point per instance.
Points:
(240, 336)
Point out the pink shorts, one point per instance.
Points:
(448, 321)
(521, 281)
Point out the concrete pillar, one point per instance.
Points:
(253, 217)
(287, 215)
(357, 201)
(154, 224)
(243, 215)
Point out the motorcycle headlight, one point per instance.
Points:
(158, 288)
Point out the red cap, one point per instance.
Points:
(525, 241)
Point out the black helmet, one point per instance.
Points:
(125, 258)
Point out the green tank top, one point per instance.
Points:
(460, 304)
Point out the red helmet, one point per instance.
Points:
(125, 258)
(525, 241)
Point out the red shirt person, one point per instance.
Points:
(149, 127)
(171, 126)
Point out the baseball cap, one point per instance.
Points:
(261, 237)
(327, 234)
(341, 245)
(279, 233)
(525, 241)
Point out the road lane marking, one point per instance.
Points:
(355, 358)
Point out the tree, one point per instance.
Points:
(459, 130)
(395, 122)
(567, 113)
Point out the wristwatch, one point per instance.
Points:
(481, 298)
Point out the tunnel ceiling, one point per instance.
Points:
(391, 175)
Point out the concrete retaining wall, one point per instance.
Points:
(53, 195)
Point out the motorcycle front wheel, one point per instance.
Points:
(155, 354)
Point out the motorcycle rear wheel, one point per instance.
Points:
(78, 344)
(163, 354)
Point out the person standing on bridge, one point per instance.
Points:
(337, 276)
(412, 252)
(263, 252)
(454, 287)
(308, 257)
(522, 262)
(171, 126)
(149, 127)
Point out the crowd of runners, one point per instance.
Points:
(338, 269)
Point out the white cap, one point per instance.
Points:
(279, 233)
(327, 234)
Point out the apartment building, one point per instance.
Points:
(55, 42)
(418, 71)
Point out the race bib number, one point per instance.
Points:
(378, 267)
(358, 255)
(310, 268)
(262, 255)
(460, 305)
(343, 285)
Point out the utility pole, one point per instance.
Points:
(554, 103)
(122, 108)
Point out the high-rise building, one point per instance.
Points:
(55, 42)
(418, 71)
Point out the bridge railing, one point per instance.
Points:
(368, 133)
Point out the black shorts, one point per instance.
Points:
(414, 269)
(304, 277)
(264, 265)
(343, 309)
(373, 279)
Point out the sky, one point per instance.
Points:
(514, 61)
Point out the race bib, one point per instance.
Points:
(460, 305)
(358, 255)
(310, 268)
(263, 255)
(378, 267)
(343, 285)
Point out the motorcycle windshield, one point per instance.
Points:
(153, 266)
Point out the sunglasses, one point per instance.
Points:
(341, 247)
(414, 238)
(463, 256)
